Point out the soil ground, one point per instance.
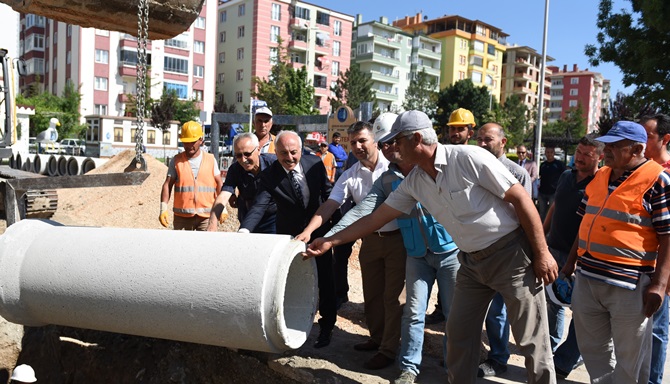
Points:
(70, 355)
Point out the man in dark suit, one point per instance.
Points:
(298, 185)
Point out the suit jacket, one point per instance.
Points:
(292, 217)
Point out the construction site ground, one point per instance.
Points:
(70, 355)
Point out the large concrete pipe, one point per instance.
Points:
(62, 165)
(27, 164)
(52, 166)
(74, 165)
(246, 291)
(40, 164)
(167, 18)
(91, 163)
(12, 161)
(18, 164)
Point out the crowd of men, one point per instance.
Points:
(509, 244)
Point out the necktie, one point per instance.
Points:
(296, 188)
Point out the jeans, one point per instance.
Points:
(555, 311)
(497, 330)
(420, 274)
(567, 354)
(659, 343)
(544, 201)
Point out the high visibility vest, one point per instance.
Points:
(194, 196)
(616, 228)
(330, 164)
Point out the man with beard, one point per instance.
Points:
(197, 180)
(461, 126)
(243, 175)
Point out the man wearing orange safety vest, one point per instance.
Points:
(196, 179)
(622, 258)
(328, 160)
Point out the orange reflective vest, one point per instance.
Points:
(330, 164)
(616, 228)
(271, 146)
(194, 196)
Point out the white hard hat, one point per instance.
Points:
(24, 373)
(383, 124)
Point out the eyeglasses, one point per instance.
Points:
(521, 153)
(245, 154)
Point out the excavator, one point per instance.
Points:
(23, 194)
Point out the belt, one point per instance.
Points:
(387, 233)
(499, 244)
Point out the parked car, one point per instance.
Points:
(73, 147)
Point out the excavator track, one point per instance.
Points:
(41, 204)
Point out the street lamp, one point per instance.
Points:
(540, 98)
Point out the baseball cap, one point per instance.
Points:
(263, 110)
(408, 121)
(624, 130)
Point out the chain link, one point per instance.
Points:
(142, 36)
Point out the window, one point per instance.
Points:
(221, 78)
(480, 30)
(36, 42)
(274, 55)
(166, 137)
(557, 82)
(276, 12)
(222, 57)
(55, 63)
(477, 60)
(574, 92)
(199, 46)
(461, 75)
(180, 89)
(68, 57)
(101, 56)
(335, 68)
(572, 103)
(100, 83)
(478, 46)
(336, 48)
(462, 60)
(240, 74)
(93, 129)
(180, 41)
(174, 64)
(151, 136)
(222, 37)
(197, 95)
(198, 71)
(574, 80)
(238, 96)
(362, 49)
(240, 53)
(241, 10)
(240, 31)
(476, 77)
(322, 18)
(100, 109)
(69, 30)
(200, 22)
(337, 28)
(274, 33)
(133, 133)
(118, 134)
(223, 16)
(34, 20)
(491, 49)
(301, 13)
(35, 66)
(463, 43)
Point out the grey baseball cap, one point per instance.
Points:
(408, 121)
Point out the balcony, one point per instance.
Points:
(298, 45)
(522, 62)
(522, 75)
(381, 40)
(386, 96)
(297, 65)
(429, 70)
(123, 98)
(127, 69)
(320, 82)
(429, 54)
(385, 78)
(377, 58)
(298, 23)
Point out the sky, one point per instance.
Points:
(572, 24)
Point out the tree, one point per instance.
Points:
(65, 108)
(633, 42)
(514, 117)
(623, 107)
(421, 95)
(463, 94)
(568, 130)
(352, 88)
(286, 90)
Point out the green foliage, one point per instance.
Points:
(634, 42)
(163, 110)
(514, 117)
(463, 94)
(65, 108)
(566, 131)
(286, 90)
(353, 88)
(421, 95)
(623, 107)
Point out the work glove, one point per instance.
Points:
(224, 216)
(163, 218)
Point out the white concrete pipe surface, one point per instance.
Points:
(27, 163)
(74, 165)
(52, 165)
(62, 165)
(247, 291)
(40, 164)
(91, 163)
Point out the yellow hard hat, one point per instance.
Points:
(191, 131)
(461, 116)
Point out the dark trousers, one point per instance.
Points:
(327, 300)
(341, 255)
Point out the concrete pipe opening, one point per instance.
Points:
(235, 290)
(40, 164)
(73, 166)
(27, 165)
(19, 161)
(12, 161)
(62, 165)
(52, 166)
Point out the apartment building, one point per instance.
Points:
(103, 64)
(316, 38)
(470, 48)
(577, 87)
(521, 72)
(393, 58)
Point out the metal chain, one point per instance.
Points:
(142, 36)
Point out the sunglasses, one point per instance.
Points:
(245, 154)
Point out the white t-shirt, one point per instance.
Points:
(466, 197)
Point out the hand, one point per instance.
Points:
(568, 269)
(224, 216)
(233, 201)
(317, 248)
(652, 299)
(545, 267)
(303, 236)
(163, 217)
